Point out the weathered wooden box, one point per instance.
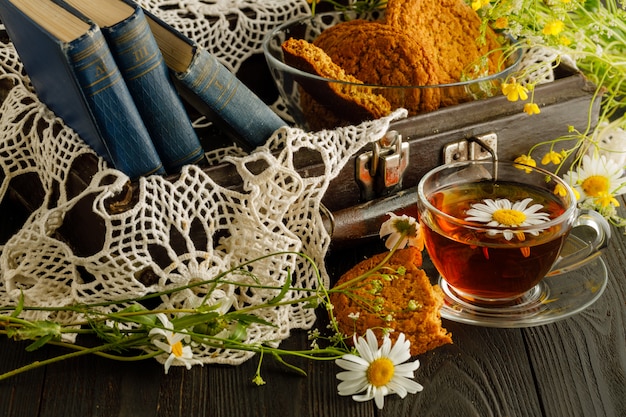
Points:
(429, 138)
(357, 208)
(446, 135)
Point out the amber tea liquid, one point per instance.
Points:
(487, 267)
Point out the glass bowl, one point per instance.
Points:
(311, 113)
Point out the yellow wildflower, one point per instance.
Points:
(560, 190)
(553, 28)
(531, 108)
(501, 23)
(552, 158)
(514, 90)
(479, 4)
(525, 161)
(606, 200)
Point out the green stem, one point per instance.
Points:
(372, 271)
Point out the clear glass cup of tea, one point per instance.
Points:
(494, 230)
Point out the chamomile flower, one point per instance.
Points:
(403, 231)
(599, 179)
(504, 213)
(378, 371)
(173, 344)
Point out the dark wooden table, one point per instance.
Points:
(575, 367)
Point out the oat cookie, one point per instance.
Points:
(352, 103)
(453, 28)
(409, 300)
(377, 53)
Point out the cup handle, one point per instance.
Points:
(589, 235)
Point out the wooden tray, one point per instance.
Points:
(564, 102)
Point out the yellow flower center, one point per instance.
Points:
(596, 185)
(508, 217)
(177, 349)
(380, 372)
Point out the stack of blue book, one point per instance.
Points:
(113, 72)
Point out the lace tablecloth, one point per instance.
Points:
(277, 209)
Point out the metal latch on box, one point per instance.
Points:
(472, 149)
(379, 171)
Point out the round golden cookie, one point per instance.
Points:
(349, 101)
(410, 304)
(453, 28)
(377, 53)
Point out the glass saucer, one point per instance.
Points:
(556, 297)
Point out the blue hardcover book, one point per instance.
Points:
(74, 73)
(210, 87)
(141, 63)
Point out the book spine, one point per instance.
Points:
(250, 118)
(141, 63)
(124, 133)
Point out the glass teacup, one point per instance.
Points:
(494, 229)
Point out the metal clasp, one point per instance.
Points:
(473, 149)
(379, 172)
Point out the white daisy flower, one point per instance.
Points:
(599, 179)
(173, 344)
(378, 371)
(503, 213)
(403, 229)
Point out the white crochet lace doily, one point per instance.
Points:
(538, 62)
(232, 30)
(276, 210)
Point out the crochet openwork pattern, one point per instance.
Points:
(275, 210)
(182, 230)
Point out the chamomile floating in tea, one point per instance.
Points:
(494, 239)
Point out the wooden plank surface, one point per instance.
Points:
(581, 362)
(21, 395)
(575, 367)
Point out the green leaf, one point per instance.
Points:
(39, 343)
(248, 318)
(288, 365)
(283, 290)
(39, 329)
(19, 307)
(191, 320)
(239, 332)
(146, 319)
